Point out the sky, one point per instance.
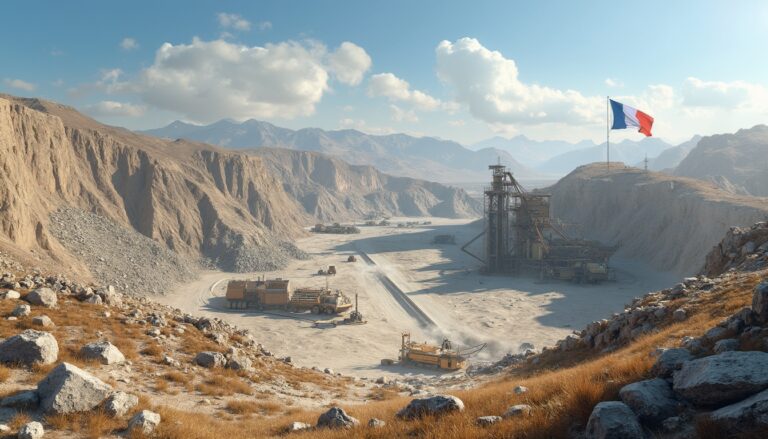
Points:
(464, 71)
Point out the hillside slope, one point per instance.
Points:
(330, 189)
(736, 161)
(668, 221)
(396, 154)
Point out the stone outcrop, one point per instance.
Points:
(652, 400)
(336, 417)
(722, 378)
(42, 297)
(69, 389)
(29, 348)
(103, 352)
(613, 420)
(433, 405)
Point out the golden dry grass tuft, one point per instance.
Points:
(247, 407)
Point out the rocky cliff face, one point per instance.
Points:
(670, 222)
(330, 189)
(195, 199)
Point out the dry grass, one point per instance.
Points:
(93, 425)
(152, 349)
(175, 376)
(18, 420)
(5, 373)
(247, 407)
(224, 383)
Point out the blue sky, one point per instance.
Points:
(458, 70)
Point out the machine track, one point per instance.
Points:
(402, 298)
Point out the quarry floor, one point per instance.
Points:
(443, 282)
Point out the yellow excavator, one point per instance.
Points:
(444, 357)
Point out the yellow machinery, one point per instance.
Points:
(443, 357)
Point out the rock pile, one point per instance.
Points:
(746, 248)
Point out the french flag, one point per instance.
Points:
(625, 116)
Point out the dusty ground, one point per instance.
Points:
(442, 281)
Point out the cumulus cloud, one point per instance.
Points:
(349, 63)
(129, 44)
(613, 83)
(399, 90)
(735, 94)
(210, 80)
(488, 84)
(113, 108)
(19, 84)
(234, 21)
(264, 25)
(401, 115)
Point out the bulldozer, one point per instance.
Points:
(443, 357)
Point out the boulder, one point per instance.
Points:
(652, 400)
(10, 295)
(43, 321)
(745, 415)
(760, 302)
(42, 297)
(517, 410)
(336, 417)
(210, 359)
(110, 296)
(29, 348)
(298, 426)
(31, 430)
(376, 423)
(519, 390)
(722, 378)
(21, 310)
(434, 405)
(613, 420)
(120, 403)
(726, 345)
(238, 361)
(22, 400)
(144, 422)
(69, 389)
(103, 351)
(670, 360)
(680, 314)
(485, 421)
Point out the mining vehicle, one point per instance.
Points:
(335, 228)
(351, 258)
(354, 318)
(444, 357)
(278, 294)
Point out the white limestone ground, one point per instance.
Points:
(468, 307)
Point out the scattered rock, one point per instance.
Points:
(42, 297)
(485, 421)
(434, 405)
(69, 389)
(517, 410)
(103, 351)
(613, 420)
(29, 348)
(376, 423)
(760, 302)
(745, 415)
(31, 430)
(651, 400)
(336, 417)
(119, 403)
(10, 295)
(722, 378)
(22, 400)
(43, 321)
(21, 310)
(670, 360)
(210, 359)
(145, 422)
(519, 390)
(726, 345)
(680, 314)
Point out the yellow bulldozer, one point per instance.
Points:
(444, 357)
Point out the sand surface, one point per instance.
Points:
(441, 280)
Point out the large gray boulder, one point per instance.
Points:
(336, 417)
(670, 360)
(42, 297)
(760, 302)
(652, 400)
(103, 352)
(22, 400)
(120, 403)
(722, 378)
(210, 359)
(69, 389)
(21, 310)
(31, 430)
(29, 348)
(613, 420)
(749, 414)
(433, 405)
(145, 422)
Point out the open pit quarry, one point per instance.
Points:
(168, 223)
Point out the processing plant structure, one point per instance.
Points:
(520, 237)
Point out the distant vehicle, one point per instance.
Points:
(331, 270)
(278, 294)
(351, 258)
(335, 228)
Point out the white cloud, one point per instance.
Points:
(129, 44)
(735, 94)
(234, 21)
(210, 80)
(349, 63)
(264, 25)
(361, 125)
(398, 90)
(613, 83)
(401, 115)
(113, 108)
(19, 84)
(457, 123)
(488, 84)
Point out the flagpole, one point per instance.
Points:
(608, 132)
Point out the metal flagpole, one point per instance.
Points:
(608, 132)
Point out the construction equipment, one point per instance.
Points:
(351, 258)
(443, 357)
(354, 318)
(520, 236)
(335, 228)
(277, 294)
(331, 270)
